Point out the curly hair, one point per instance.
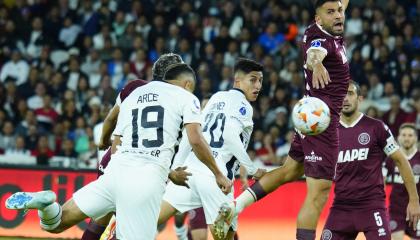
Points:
(161, 65)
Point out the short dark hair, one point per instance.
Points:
(319, 3)
(357, 86)
(174, 70)
(161, 65)
(409, 125)
(247, 65)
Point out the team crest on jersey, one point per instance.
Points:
(326, 234)
(416, 169)
(364, 138)
(242, 110)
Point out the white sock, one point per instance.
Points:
(243, 201)
(181, 232)
(50, 216)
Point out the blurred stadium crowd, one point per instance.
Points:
(63, 63)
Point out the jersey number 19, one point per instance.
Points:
(158, 124)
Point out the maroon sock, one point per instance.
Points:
(305, 234)
(257, 191)
(93, 231)
(236, 236)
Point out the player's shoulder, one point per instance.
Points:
(239, 106)
(130, 87)
(376, 124)
(373, 122)
(314, 34)
(417, 156)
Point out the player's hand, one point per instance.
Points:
(413, 213)
(320, 76)
(224, 183)
(179, 176)
(244, 184)
(259, 174)
(104, 144)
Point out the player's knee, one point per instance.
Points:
(199, 234)
(320, 197)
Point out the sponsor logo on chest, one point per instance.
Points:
(351, 155)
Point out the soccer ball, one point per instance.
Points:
(311, 116)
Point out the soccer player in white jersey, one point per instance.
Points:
(149, 122)
(227, 127)
(96, 228)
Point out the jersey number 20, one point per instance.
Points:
(158, 124)
(219, 117)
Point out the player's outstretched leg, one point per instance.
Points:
(316, 197)
(53, 217)
(290, 171)
(96, 228)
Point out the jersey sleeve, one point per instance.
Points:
(243, 114)
(315, 38)
(191, 110)
(387, 140)
(318, 44)
(237, 143)
(239, 126)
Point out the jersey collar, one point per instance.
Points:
(320, 28)
(353, 123)
(409, 157)
(238, 90)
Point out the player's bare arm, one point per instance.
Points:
(202, 151)
(109, 125)
(413, 208)
(320, 76)
(179, 176)
(345, 4)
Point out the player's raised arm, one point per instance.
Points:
(345, 4)
(203, 152)
(413, 208)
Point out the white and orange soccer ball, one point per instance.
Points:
(311, 116)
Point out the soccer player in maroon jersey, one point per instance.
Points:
(327, 77)
(359, 203)
(399, 198)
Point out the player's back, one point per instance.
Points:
(335, 62)
(225, 111)
(363, 149)
(151, 119)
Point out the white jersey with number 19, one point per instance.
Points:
(152, 117)
(227, 126)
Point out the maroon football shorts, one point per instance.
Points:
(318, 153)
